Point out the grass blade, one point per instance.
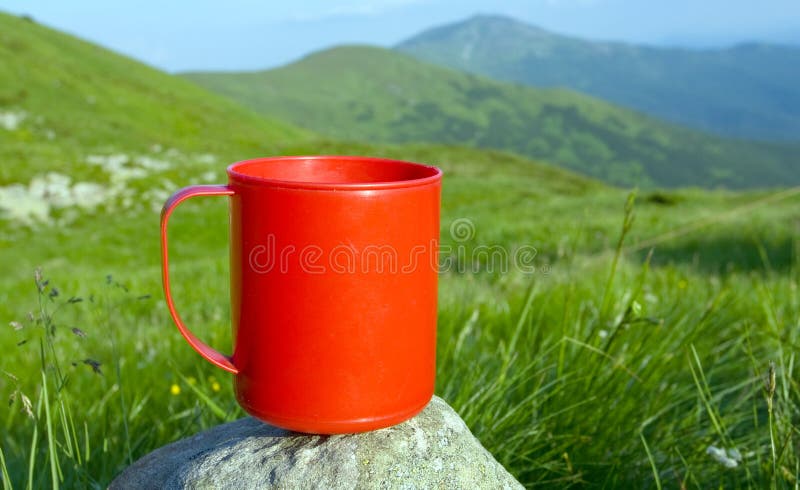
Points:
(6, 478)
(34, 444)
(211, 404)
(51, 443)
(652, 461)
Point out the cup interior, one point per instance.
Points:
(334, 171)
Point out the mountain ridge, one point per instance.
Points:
(375, 94)
(506, 20)
(747, 90)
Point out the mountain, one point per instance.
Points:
(374, 94)
(749, 91)
(93, 142)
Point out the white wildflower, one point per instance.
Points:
(728, 459)
(205, 158)
(123, 175)
(151, 163)
(88, 195)
(20, 205)
(109, 163)
(157, 198)
(11, 120)
(52, 187)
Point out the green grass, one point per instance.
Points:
(560, 373)
(373, 94)
(80, 99)
(747, 91)
(604, 367)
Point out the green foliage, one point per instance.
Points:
(747, 91)
(600, 366)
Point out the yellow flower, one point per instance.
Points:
(175, 389)
(192, 380)
(682, 284)
(215, 386)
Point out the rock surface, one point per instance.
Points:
(435, 449)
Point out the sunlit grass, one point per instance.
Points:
(588, 373)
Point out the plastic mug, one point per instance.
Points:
(333, 272)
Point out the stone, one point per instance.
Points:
(433, 450)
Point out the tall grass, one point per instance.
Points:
(68, 423)
(632, 380)
(606, 369)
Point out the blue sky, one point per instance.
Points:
(250, 34)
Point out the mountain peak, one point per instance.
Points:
(749, 90)
(497, 20)
(481, 27)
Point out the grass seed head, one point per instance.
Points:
(770, 381)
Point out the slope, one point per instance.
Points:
(750, 91)
(62, 99)
(374, 94)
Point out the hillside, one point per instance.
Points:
(374, 94)
(88, 136)
(749, 91)
(66, 105)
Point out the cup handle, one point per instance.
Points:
(212, 355)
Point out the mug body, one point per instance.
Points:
(334, 290)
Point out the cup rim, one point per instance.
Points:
(233, 174)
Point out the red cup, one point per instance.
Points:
(333, 289)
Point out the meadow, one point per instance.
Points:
(651, 346)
